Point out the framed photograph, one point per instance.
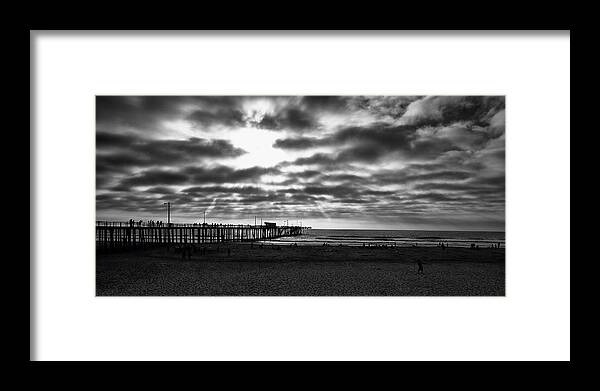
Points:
(305, 195)
(285, 196)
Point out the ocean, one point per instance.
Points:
(404, 238)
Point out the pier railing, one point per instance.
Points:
(122, 235)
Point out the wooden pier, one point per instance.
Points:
(125, 235)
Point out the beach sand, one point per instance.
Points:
(302, 271)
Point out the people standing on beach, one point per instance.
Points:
(186, 251)
(420, 264)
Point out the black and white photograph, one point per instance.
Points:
(300, 195)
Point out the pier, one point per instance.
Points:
(112, 235)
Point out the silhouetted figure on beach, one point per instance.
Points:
(443, 246)
(472, 245)
(186, 251)
(420, 264)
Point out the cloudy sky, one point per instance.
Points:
(377, 162)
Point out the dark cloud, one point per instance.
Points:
(114, 140)
(439, 175)
(221, 117)
(300, 115)
(155, 177)
(290, 118)
(322, 159)
(223, 190)
(140, 112)
(121, 152)
(384, 106)
(306, 174)
(148, 113)
(325, 103)
(298, 143)
(160, 190)
(193, 175)
(226, 174)
(381, 140)
(369, 144)
(415, 161)
(440, 110)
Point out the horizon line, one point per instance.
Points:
(353, 229)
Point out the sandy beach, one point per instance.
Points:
(244, 270)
